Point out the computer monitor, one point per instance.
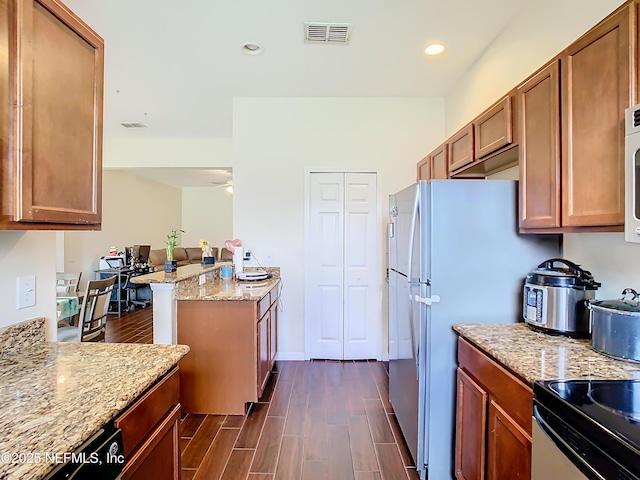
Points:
(143, 253)
(115, 262)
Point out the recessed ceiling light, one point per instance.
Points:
(434, 49)
(250, 48)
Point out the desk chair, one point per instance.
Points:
(93, 314)
(132, 293)
(121, 293)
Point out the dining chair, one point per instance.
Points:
(67, 282)
(92, 322)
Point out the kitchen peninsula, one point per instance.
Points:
(231, 328)
(55, 396)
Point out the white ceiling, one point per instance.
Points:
(176, 66)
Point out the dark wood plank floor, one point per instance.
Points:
(133, 327)
(319, 420)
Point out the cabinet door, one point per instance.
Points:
(263, 352)
(508, 447)
(460, 148)
(539, 108)
(439, 163)
(57, 118)
(273, 332)
(596, 90)
(494, 128)
(471, 425)
(159, 456)
(424, 169)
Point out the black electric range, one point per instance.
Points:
(596, 423)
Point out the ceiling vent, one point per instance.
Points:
(318, 32)
(133, 125)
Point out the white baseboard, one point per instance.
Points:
(385, 357)
(298, 356)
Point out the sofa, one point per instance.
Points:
(182, 255)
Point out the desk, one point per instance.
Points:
(103, 273)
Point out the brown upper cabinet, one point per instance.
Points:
(539, 107)
(460, 148)
(434, 166)
(439, 163)
(494, 128)
(424, 169)
(51, 173)
(489, 147)
(578, 102)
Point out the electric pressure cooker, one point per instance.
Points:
(555, 298)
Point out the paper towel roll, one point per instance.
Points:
(238, 259)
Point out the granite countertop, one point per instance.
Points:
(55, 396)
(182, 273)
(227, 290)
(538, 356)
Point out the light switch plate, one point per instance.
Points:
(202, 279)
(25, 292)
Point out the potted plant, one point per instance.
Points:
(170, 265)
(207, 256)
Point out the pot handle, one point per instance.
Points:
(632, 292)
(573, 268)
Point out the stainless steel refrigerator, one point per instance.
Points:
(454, 257)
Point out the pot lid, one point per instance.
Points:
(568, 274)
(622, 304)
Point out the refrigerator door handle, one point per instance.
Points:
(414, 220)
(427, 300)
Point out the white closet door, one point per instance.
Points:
(325, 261)
(343, 291)
(362, 300)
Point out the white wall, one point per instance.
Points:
(207, 213)
(276, 139)
(134, 211)
(540, 31)
(24, 254)
(172, 152)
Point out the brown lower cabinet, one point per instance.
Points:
(233, 349)
(151, 432)
(493, 419)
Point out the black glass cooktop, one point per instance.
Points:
(604, 412)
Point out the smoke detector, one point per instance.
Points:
(322, 32)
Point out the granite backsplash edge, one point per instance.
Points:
(16, 337)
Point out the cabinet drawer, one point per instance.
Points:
(514, 396)
(264, 304)
(140, 418)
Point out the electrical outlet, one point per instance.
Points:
(202, 279)
(247, 255)
(25, 292)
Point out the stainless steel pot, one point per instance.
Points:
(555, 296)
(615, 326)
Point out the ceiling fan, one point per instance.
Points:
(228, 185)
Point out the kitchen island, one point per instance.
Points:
(163, 288)
(55, 396)
(231, 328)
(497, 366)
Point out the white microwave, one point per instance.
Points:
(632, 175)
